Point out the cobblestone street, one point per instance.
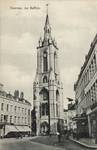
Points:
(41, 143)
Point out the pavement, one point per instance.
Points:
(86, 142)
(24, 144)
(43, 143)
(65, 143)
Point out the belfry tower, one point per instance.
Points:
(47, 88)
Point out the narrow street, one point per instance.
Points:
(25, 145)
(34, 144)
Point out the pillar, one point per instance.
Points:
(89, 125)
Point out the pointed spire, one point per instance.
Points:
(47, 28)
(47, 18)
(47, 22)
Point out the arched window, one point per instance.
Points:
(57, 95)
(45, 95)
(45, 63)
(55, 62)
(56, 110)
(45, 79)
(44, 108)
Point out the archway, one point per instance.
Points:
(44, 128)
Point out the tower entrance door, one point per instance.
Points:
(44, 128)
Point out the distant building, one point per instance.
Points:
(47, 87)
(65, 118)
(70, 115)
(86, 91)
(15, 113)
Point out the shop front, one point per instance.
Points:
(82, 126)
(9, 130)
(93, 124)
(2, 130)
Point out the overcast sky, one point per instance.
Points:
(74, 25)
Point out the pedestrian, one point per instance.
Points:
(59, 136)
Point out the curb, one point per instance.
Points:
(83, 144)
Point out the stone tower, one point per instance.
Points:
(47, 88)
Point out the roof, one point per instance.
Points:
(11, 97)
(71, 106)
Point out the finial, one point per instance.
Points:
(40, 41)
(47, 8)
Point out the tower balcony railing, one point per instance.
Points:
(45, 84)
(44, 117)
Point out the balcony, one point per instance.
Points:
(94, 105)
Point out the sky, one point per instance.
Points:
(74, 26)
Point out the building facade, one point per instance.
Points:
(47, 88)
(15, 113)
(86, 89)
(65, 119)
(70, 115)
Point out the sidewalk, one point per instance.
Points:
(87, 142)
(53, 140)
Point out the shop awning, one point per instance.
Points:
(27, 129)
(15, 128)
(10, 128)
(23, 129)
(79, 118)
(20, 128)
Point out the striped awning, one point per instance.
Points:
(10, 128)
(23, 128)
(27, 128)
(16, 128)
